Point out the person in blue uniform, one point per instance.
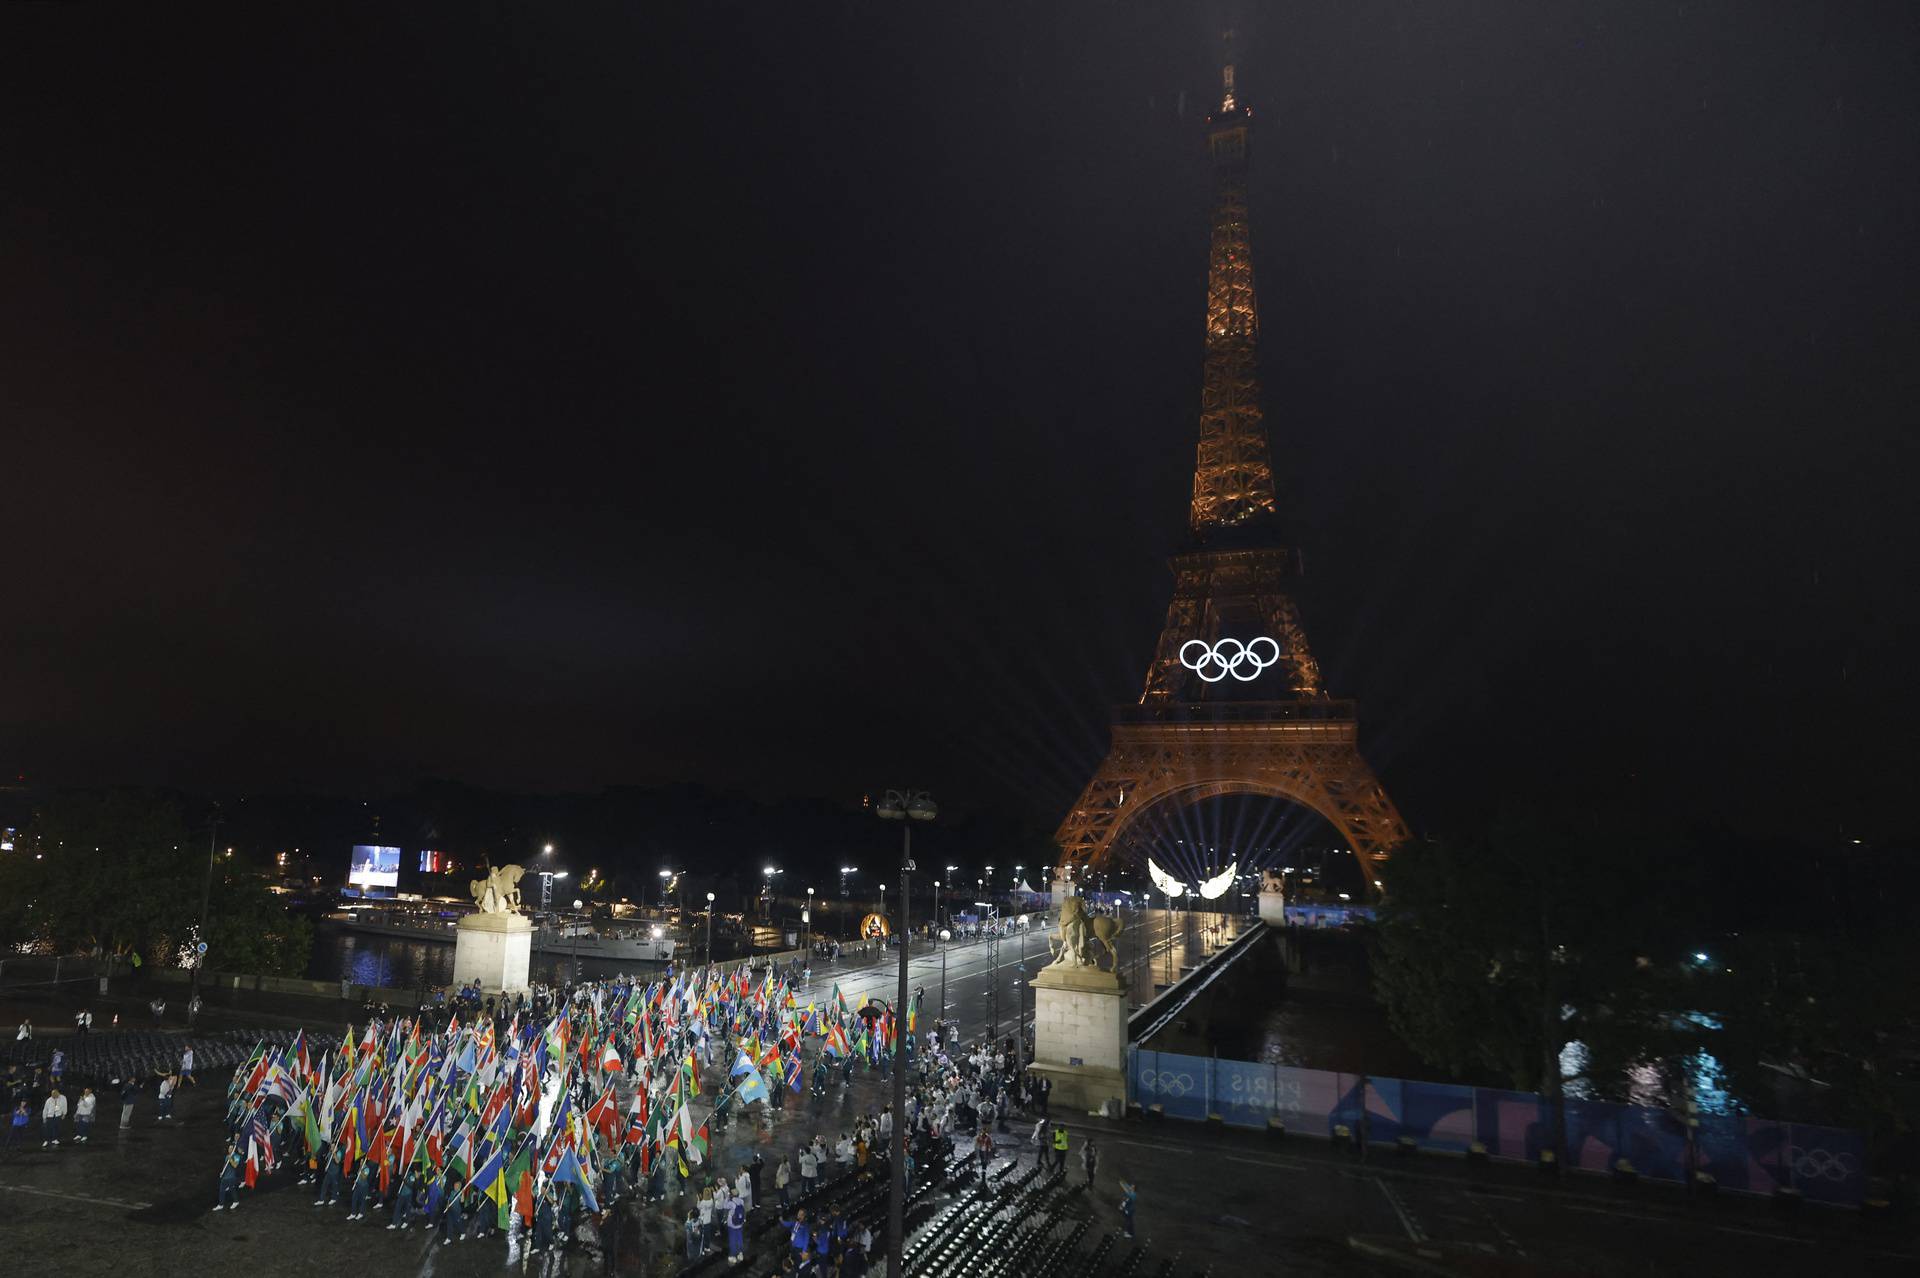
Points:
(402, 1203)
(230, 1182)
(736, 1230)
(454, 1224)
(362, 1190)
(332, 1185)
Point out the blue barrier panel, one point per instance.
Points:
(1438, 1115)
(1740, 1153)
(1593, 1132)
(1654, 1141)
(1754, 1155)
(1512, 1124)
(1178, 1084)
(1304, 1099)
(1243, 1092)
(1829, 1164)
(1384, 1104)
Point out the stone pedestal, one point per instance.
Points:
(1273, 899)
(493, 949)
(1080, 1035)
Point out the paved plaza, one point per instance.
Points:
(1212, 1200)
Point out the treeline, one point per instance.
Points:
(1617, 958)
(120, 873)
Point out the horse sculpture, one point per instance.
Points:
(1079, 930)
(499, 892)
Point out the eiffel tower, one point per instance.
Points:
(1233, 702)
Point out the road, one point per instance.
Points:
(976, 970)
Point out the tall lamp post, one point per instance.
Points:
(945, 936)
(709, 929)
(206, 893)
(904, 806)
(578, 904)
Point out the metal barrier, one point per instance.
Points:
(1753, 1155)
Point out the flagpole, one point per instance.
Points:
(907, 807)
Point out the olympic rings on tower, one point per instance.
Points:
(1215, 661)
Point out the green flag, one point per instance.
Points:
(522, 1161)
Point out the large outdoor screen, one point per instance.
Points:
(375, 866)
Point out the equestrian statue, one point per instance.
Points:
(1079, 930)
(499, 892)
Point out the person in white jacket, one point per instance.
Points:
(83, 1116)
(50, 1115)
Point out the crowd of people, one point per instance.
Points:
(565, 1120)
(39, 1094)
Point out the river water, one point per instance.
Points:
(398, 962)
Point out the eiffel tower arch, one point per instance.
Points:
(1233, 701)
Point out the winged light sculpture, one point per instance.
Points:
(1209, 889)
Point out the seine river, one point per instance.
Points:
(399, 963)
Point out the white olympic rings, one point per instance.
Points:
(1821, 1164)
(1166, 1082)
(1215, 661)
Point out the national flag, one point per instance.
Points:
(311, 1130)
(491, 1175)
(604, 1114)
(609, 1057)
(460, 1162)
(636, 1117)
(518, 1180)
(570, 1172)
(753, 1087)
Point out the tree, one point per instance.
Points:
(1826, 1016)
(107, 870)
(118, 872)
(1497, 954)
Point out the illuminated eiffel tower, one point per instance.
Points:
(1233, 702)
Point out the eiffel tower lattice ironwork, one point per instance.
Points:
(1233, 632)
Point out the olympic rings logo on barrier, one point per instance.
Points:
(1215, 661)
(1166, 1082)
(1820, 1164)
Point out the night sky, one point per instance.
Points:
(801, 398)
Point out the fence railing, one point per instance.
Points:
(1753, 1155)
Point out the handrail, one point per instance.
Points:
(1185, 991)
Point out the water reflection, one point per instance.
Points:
(397, 962)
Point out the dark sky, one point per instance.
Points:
(802, 397)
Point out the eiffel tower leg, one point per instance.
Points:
(1184, 762)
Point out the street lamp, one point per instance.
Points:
(993, 963)
(709, 929)
(577, 903)
(905, 807)
(200, 934)
(845, 870)
(945, 935)
(806, 917)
